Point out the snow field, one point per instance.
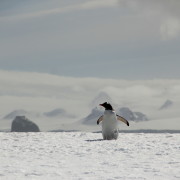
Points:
(84, 155)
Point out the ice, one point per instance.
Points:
(84, 155)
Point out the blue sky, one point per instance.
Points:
(126, 39)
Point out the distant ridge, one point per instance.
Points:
(61, 130)
(150, 131)
(146, 131)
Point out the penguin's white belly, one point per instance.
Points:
(110, 126)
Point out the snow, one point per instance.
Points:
(84, 155)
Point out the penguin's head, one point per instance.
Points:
(107, 106)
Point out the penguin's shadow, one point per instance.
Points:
(93, 140)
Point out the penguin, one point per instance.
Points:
(110, 122)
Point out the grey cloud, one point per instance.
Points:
(88, 5)
(154, 6)
(167, 12)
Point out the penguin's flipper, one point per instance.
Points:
(122, 119)
(99, 120)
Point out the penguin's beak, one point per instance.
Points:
(101, 104)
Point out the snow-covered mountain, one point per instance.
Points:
(100, 98)
(130, 115)
(22, 112)
(58, 113)
(167, 104)
(125, 112)
(13, 114)
(92, 118)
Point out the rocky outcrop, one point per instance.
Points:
(22, 124)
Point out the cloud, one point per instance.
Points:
(88, 5)
(170, 28)
(165, 11)
(152, 7)
(24, 84)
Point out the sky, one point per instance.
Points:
(121, 39)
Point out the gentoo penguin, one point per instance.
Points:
(109, 122)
